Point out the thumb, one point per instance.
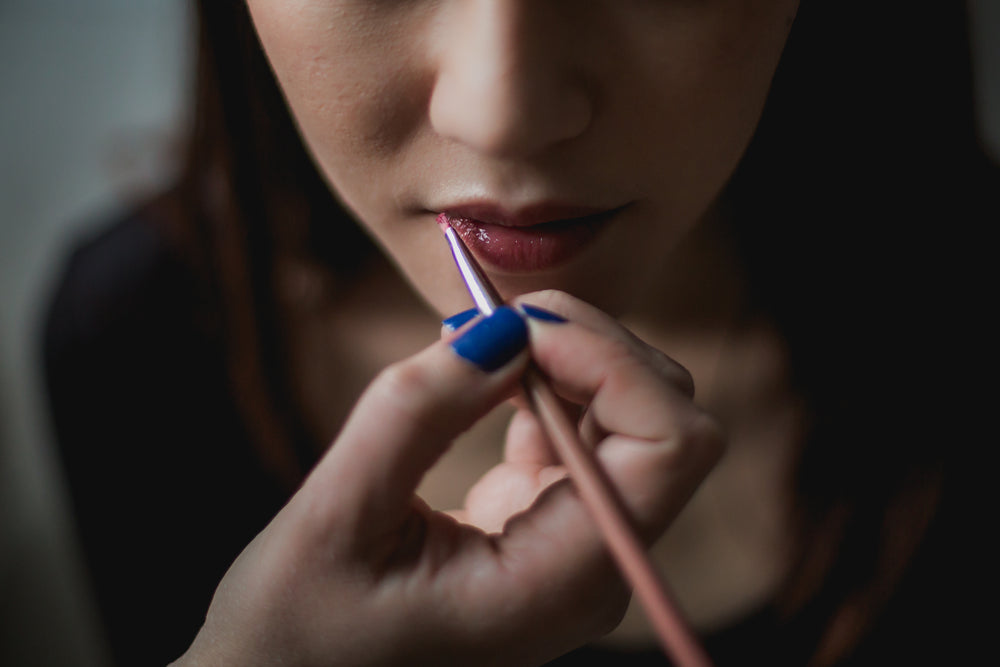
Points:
(409, 416)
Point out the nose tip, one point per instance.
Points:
(505, 86)
(489, 116)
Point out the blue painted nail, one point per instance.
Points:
(537, 313)
(494, 341)
(455, 322)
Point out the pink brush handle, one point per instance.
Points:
(608, 511)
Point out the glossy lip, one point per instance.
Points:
(528, 216)
(533, 238)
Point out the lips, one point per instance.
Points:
(531, 239)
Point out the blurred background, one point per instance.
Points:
(93, 101)
(93, 97)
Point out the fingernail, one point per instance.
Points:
(536, 313)
(455, 322)
(494, 341)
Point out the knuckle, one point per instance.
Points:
(551, 299)
(402, 390)
(675, 373)
(629, 368)
(628, 354)
(679, 375)
(621, 356)
(407, 392)
(622, 369)
(402, 379)
(705, 439)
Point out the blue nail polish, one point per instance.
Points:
(494, 341)
(536, 313)
(455, 322)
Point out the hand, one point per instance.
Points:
(356, 570)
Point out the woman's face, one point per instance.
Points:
(573, 142)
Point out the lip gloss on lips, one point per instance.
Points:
(533, 241)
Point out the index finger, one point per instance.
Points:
(583, 314)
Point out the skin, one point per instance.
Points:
(356, 570)
(409, 107)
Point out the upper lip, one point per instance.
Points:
(525, 216)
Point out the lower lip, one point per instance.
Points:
(534, 248)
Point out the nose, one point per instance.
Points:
(507, 82)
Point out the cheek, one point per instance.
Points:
(709, 84)
(351, 81)
(742, 65)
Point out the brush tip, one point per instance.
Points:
(444, 222)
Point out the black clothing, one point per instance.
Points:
(167, 489)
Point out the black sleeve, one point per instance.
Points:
(164, 487)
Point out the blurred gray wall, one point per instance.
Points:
(92, 96)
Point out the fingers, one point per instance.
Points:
(653, 441)
(659, 444)
(583, 314)
(530, 465)
(406, 419)
(527, 443)
(655, 445)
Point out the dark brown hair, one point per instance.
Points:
(248, 196)
(859, 201)
(868, 139)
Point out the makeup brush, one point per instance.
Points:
(592, 483)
